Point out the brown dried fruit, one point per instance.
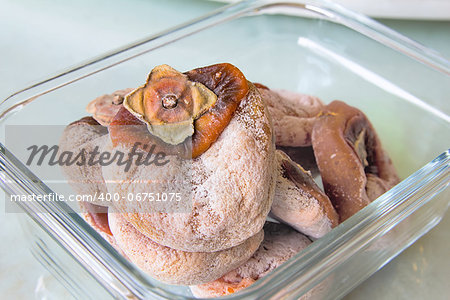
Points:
(84, 135)
(293, 115)
(280, 244)
(299, 201)
(224, 80)
(230, 86)
(351, 159)
(104, 108)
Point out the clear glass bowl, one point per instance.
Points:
(401, 86)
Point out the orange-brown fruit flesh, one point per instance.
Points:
(230, 86)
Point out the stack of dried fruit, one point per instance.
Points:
(217, 130)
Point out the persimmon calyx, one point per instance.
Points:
(169, 103)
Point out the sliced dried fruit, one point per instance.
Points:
(293, 115)
(354, 167)
(299, 202)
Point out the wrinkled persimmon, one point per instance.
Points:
(350, 157)
(182, 114)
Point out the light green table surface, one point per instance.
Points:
(40, 37)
